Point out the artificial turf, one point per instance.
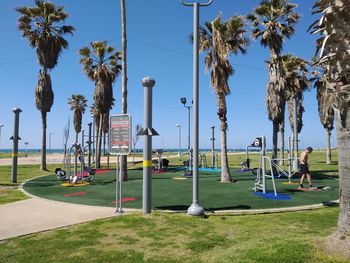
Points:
(168, 192)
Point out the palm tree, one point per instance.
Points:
(124, 170)
(333, 50)
(100, 64)
(220, 39)
(273, 21)
(296, 72)
(325, 110)
(78, 105)
(41, 25)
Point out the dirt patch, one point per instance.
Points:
(338, 245)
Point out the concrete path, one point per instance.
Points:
(36, 215)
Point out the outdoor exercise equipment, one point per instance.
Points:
(290, 163)
(160, 163)
(245, 166)
(262, 176)
(188, 163)
(203, 160)
(71, 175)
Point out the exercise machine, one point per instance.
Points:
(290, 161)
(71, 174)
(160, 163)
(245, 165)
(264, 162)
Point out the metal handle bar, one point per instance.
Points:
(200, 4)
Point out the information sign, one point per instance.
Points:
(120, 134)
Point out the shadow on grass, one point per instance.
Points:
(183, 208)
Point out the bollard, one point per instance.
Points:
(15, 139)
(147, 132)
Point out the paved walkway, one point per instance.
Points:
(35, 215)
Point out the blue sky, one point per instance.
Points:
(158, 46)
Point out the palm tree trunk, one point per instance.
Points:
(275, 139)
(124, 170)
(343, 142)
(274, 144)
(328, 147)
(43, 142)
(281, 162)
(225, 171)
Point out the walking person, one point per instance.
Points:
(304, 167)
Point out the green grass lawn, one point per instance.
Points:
(288, 237)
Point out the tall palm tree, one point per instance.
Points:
(124, 170)
(296, 73)
(333, 50)
(273, 21)
(325, 110)
(78, 105)
(100, 64)
(219, 40)
(42, 26)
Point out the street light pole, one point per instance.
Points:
(93, 138)
(188, 107)
(195, 209)
(51, 133)
(1, 125)
(212, 146)
(179, 126)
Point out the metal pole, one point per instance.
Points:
(120, 185)
(89, 145)
(116, 185)
(82, 155)
(148, 84)
(93, 138)
(1, 125)
(212, 146)
(108, 153)
(51, 133)
(15, 139)
(179, 126)
(295, 136)
(195, 209)
(189, 127)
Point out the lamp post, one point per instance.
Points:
(183, 101)
(179, 126)
(212, 146)
(1, 125)
(89, 144)
(93, 138)
(295, 136)
(26, 147)
(195, 209)
(51, 133)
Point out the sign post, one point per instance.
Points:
(120, 128)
